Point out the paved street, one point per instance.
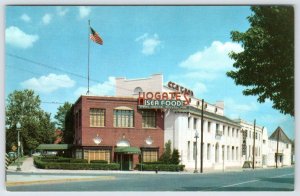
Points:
(281, 179)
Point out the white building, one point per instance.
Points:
(249, 140)
(284, 153)
(227, 143)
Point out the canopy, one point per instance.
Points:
(54, 146)
(128, 150)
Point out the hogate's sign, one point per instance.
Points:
(166, 100)
(180, 89)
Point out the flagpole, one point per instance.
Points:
(88, 91)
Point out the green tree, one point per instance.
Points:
(175, 157)
(166, 156)
(69, 132)
(36, 126)
(266, 66)
(61, 115)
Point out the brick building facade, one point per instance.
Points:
(115, 130)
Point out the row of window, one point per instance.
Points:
(147, 155)
(230, 131)
(250, 134)
(232, 152)
(121, 118)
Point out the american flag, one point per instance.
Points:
(95, 37)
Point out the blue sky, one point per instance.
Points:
(46, 50)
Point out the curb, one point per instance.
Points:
(55, 181)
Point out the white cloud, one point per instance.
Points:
(49, 83)
(105, 88)
(234, 108)
(18, 38)
(84, 11)
(213, 58)
(47, 19)
(150, 43)
(25, 18)
(62, 11)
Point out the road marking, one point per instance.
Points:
(283, 175)
(250, 181)
(54, 181)
(240, 183)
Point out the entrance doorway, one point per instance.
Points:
(125, 161)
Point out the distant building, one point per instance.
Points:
(261, 146)
(284, 154)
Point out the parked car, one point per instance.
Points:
(36, 154)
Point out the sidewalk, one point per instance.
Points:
(28, 168)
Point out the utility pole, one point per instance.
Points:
(196, 151)
(201, 152)
(253, 152)
(276, 155)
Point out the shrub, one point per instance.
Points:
(175, 157)
(247, 164)
(160, 167)
(75, 166)
(98, 161)
(153, 163)
(78, 161)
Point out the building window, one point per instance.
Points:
(228, 131)
(237, 153)
(228, 153)
(189, 120)
(137, 90)
(149, 119)
(123, 118)
(208, 126)
(97, 155)
(195, 123)
(97, 117)
(232, 151)
(188, 150)
(78, 154)
(256, 136)
(232, 132)
(194, 150)
(287, 145)
(208, 151)
(150, 155)
(264, 141)
(217, 127)
(237, 133)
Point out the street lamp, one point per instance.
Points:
(196, 151)
(18, 126)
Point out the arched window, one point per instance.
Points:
(123, 143)
(137, 90)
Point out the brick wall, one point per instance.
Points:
(110, 134)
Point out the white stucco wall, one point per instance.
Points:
(283, 148)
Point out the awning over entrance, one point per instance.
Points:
(128, 150)
(54, 147)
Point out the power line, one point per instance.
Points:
(61, 70)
